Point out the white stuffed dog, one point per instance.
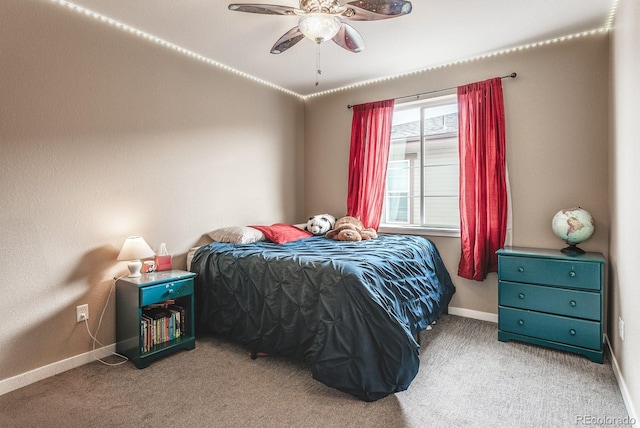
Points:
(320, 224)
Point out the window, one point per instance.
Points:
(422, 177)
(398, 191)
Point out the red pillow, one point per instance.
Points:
(281, 233)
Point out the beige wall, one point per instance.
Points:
(105, 135)
(625, 201)
(557, 137)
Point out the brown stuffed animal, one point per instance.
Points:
(350, 229)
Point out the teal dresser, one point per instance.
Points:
(552, 299)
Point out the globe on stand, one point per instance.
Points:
(573, 226)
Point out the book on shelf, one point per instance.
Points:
(180, 318)
(161, 323)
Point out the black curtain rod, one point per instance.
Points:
(512, 76)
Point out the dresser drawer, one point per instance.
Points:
(167, 290)
(555, 328)
(565, 273)
(559, 301)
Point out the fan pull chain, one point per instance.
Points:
(318, 71)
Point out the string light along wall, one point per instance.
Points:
(124, 27)
(151, 38)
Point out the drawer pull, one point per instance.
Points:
(521, 295)
(572, 332)
(572, 303)
(520, 269)
(520, 322)
(572, 274)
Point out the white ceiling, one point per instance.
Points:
(437, 32)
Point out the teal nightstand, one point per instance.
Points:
(552, 299)
(143, 338)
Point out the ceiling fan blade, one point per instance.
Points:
(371, 10)
(349, 39)
(266, 9)
(289, 39)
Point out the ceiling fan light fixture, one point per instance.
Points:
(319, 27)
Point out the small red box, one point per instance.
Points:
(163, 262)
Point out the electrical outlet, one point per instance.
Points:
(82, 313)
(620, 328)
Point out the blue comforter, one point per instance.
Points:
(350, 310)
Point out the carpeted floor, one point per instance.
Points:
(467, 378)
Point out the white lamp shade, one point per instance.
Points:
(134, 249)
(319, 27)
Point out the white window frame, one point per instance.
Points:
(415, 229)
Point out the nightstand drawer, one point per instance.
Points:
(559, 301)
(565, 273)
(167, 290)
(555, 328)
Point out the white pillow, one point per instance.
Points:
(190, 254)
(237, 235)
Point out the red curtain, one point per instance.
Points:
(368, 157)
(483, 191)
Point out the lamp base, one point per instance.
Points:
(134, 268)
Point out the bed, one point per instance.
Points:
(350, 310)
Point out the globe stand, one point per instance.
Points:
(572, 249)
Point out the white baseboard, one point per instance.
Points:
(626, 397)
(33, 376)
(468, 313)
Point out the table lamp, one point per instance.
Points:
(134, 249)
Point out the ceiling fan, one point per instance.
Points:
(320, 20)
